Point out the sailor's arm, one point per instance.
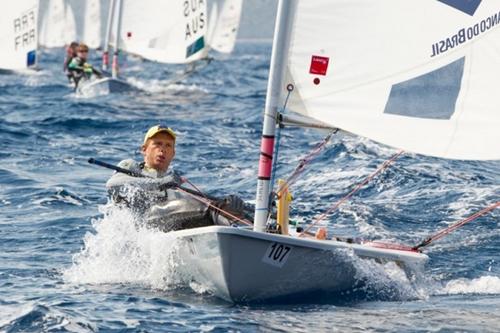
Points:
(126, 188)
(74, 65)
(118, 182)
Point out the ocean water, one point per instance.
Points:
(71, 263)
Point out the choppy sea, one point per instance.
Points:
(68, 263)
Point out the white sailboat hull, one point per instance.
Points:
(241, 265)
(103, 86)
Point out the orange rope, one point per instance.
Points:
(451, 228)
(185, 180)
(341, 201)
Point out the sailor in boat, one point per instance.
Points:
(80, 68)
(70, 54)
(155, 199)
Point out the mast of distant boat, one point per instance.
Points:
(114, 68)
(274, 89)
(109, 25)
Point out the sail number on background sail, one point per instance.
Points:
(18, 35)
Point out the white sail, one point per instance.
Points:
(18, 34)
(93, 23)
(224, 21)
(57, 23)
(421, 75)
(165, 31)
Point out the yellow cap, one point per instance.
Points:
(158, 129)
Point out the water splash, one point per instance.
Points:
(120, 251)
(389, 281)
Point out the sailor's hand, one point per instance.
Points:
(167, 185)
(176, 177)
(232, 204)
(97, 73)
(87, 68)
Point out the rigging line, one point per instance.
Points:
(350, 194)
(305, 161)
(211, 205)
(455, 226)
(184, 179)
(289, 88)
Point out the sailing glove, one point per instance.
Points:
(232, 204)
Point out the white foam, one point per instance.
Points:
(37, 79)
(121, 252)
(158, 86)
(388, 280)
(483, 285)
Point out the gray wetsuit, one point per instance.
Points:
(157, 203)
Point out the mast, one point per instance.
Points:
(114, 68)
(281, 41)
(107, 37)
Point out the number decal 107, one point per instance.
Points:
(277, 254)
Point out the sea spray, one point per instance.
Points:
(388, 280)
(121, 251)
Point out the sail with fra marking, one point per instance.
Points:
(163, 31)
(417, 75)
(19, 35)
(224, 20)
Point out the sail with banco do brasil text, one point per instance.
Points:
(421, 75)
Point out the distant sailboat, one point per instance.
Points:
(414, 75)
(19, 35)
(170, 32)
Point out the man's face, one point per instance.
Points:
(82, 54)
(159, 151)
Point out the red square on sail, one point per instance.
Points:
(319, 65)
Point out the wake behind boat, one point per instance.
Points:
(103, 86)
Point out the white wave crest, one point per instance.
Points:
(158, 86)
(483, 285)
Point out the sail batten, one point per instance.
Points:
(416, 75)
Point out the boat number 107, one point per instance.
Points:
(277, 254)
